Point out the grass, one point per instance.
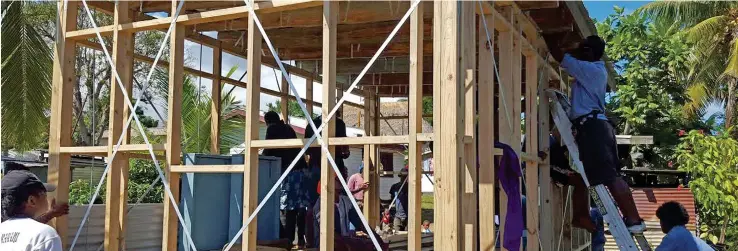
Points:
(426, 206)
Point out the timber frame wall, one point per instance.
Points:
(465, 95)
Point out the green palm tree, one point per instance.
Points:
(26, 82)
(196, 116)
(712, 28)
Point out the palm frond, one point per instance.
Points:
(26, 83)
(698, 97)
(708, 30)
(685, 13)
(732, 68)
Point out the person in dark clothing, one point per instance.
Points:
(315, 153)
(562, 173)
(593, 133)
(344, 215)
(294, 199)
(399, 190)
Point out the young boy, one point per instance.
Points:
(673, 217)
(23, 199)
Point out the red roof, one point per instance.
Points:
(649, 199)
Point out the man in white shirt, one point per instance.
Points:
(23, 200)
(673, 218)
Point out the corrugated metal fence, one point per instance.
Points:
(143, 228)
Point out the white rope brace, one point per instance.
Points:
(128, 123)
(312, 125)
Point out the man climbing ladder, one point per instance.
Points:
(594, 135)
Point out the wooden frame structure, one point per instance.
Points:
(446, 55)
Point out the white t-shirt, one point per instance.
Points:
(25, 234)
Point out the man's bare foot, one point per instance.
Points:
(584, 223)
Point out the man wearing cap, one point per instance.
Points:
(398, 191)
(23, 201)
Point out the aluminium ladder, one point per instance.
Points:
(599, 193)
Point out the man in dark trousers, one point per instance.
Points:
(399, 191)
(594, 135)
(315, 153)
(294, 200)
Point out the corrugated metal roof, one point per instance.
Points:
(648, 200)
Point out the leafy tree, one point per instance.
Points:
(651, 59)
(712, 162)
(293, 108)
(140, 176)
(711, 27)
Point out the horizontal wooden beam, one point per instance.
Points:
(339, 141)
(634, 140)
(86, 150)
(207, 168)
(193, 19)
(145, 156)
(141, 147)
(369, 140)
(425, 137)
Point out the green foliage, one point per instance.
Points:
(293, 109)
(146, 121)
(26, 82)
(652, 62)
(140, 176)
(712, 162)
(196, 107)
(428, 108)
(711, 28)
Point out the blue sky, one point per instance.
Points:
(601, 9)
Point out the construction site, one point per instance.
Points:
(467, 74)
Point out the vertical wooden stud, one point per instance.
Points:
(546, 227)
(531, 135)
(60, 125)
(371, 207)
(251, 170)
(468, 49)
(309, 95)
(486, 134)
(284, 109)
(216, 101)
(448, 115)
(174, 130)
(117, 180)
(327, 183)
(415, 152)
(507, 99)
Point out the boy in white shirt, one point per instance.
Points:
(24, 200)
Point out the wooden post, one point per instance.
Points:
(507, 99)
(371, 207)
(327, 184)
(60, 125)
(174, 149)
(546, 227)
(251, 174)
(216, 101)
(309, 95)
(284, 109)
(117, 180)
(468, 50)
(448, 83)
(531, 136)
(486, 134)
(415, 109)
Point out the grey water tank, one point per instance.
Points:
(211, 204)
